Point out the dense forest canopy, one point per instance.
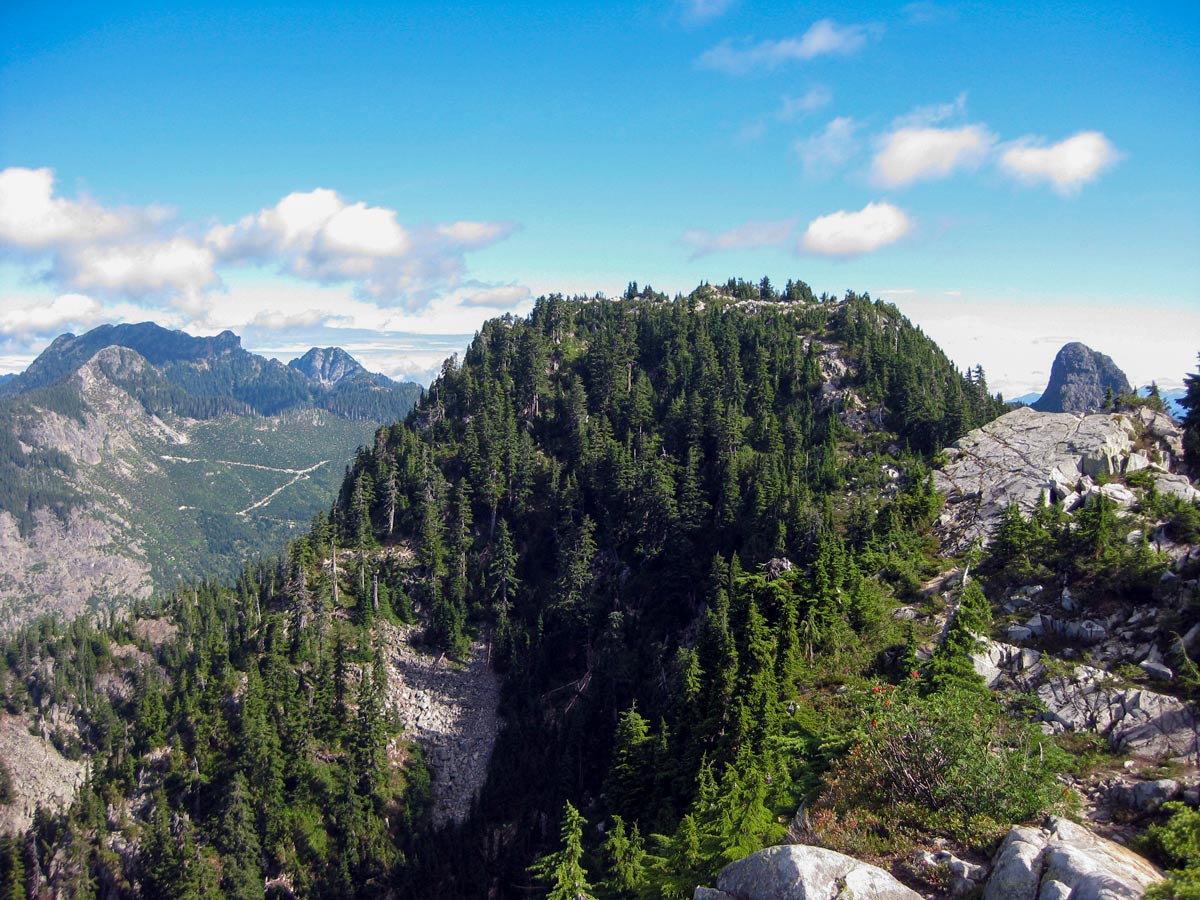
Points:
(678, 525)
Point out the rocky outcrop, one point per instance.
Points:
(1030, 458)
(1065, 861)
(450, 709)
(1079, 380)
(801, 872)
(1135, 721)
(40, 775)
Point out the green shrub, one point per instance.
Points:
(953, 763)
(1178, 843)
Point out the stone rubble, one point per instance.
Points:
(451, 710)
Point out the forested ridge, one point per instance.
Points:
(681, 527)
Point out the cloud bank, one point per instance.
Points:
(143, 254)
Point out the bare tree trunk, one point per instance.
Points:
(333, 548)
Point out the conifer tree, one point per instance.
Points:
(625, 855)
(241, 852)
(563, 869)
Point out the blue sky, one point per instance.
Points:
(385, 177)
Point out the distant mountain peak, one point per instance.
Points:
(1079, 380)
(156, 344)
(327, 365)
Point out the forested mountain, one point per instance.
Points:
(205, 377)
(693, 536)
(134, 456)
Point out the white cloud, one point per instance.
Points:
(825, 37)
(501, 297)
(33, 219)
(475, 234)
(178, 264)
(36, 316)
(789, 109)
(700, 11)
(751, 234)
(318, 236)
(314, 229)
(849, 233)
(824, 152)
(924, 154)
(1067, 165)
(925, 13)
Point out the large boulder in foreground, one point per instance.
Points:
(1079, 380)
(800, 872)
(1065, 861)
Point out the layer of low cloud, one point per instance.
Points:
(1067, 166)
(1016, 341)
(851, 233)
(143, 254)
(747, 236)
(824, 38)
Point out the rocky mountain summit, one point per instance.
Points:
(1032, 458)
(1079, 380)
(327, 365)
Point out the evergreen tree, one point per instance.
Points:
(241, 852)
(563, 869)
(1191, 420)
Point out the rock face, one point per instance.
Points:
(40, 775)
(1141, 723)
(1079, 379)
(327, 365)
(800, 872)
(1029, 458)
(1065, 861)
(1135, 721)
